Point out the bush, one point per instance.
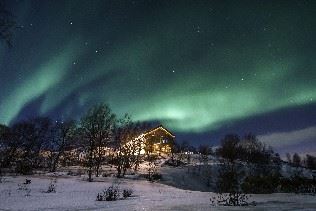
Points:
(298, 184)
(153, 171)
(153, 177)
(74, 173)
(174, 163)
(260, 184)
(229, 178)
(156, 176)
(27, 181)
(127, 193)
(109, 194)
(231, 199)
(52, 186)
(100, 197)
(112, 193)
(25, 187)
(24, 168)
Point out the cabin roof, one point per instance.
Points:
(161, 128)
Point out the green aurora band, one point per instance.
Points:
(190, 71)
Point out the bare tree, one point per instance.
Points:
(8, 146)
(296, 160)
(230, 174)
(230, 148)
(184, 148)
(41, 132)
(63, 134)
(96, 128)
(288, 158)
(204, 152)
(128, 145)
(175, 149)
(310, 162)
(25, 140)
(152, 168)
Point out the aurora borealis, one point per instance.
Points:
(198, 67)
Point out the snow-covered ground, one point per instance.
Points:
(75, 193)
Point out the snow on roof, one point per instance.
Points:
(160, 127)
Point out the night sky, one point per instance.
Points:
(201, 68)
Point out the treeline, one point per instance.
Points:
(251, 167)
(41, 143)
(296, 160)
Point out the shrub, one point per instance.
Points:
(156, 176)
(260, 184)
(109, 194)
(112, 193)
(25, 187)
(153, 172)
(27, 181)
(229, 178)
(174, 163)
(74, 173)
(100, 197)
(52, 186)
(24, 168)
(298, 184)
(231, 199)
(1, 176)
(229, 186)
(153, 177)
(127, 192)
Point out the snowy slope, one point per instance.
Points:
(73, 193)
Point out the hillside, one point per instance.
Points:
(74, 193)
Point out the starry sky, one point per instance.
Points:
(201, 68)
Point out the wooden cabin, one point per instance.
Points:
(157, 140)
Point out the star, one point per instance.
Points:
(106, 53)
(198, 29)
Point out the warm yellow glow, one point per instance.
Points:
(160, 127)
(142, 151)
(140, 142)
